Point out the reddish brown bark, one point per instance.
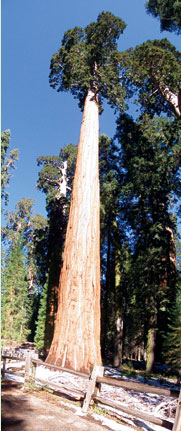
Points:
(76, 342)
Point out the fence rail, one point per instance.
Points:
(95, 379)
(139, 387)
(56, 367)
(136, 413)
(77, 393)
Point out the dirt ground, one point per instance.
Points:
(39, 411)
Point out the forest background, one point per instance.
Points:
(41, 123)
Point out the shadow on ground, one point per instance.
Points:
(13, 407)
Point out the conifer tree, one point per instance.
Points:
(172, 343)
(40, 341)
(7, 163)
(172, 339)
(87, 65)
(15, 298)
(152, 72)
(22, 230)
(112, 240)
(150, 155)
(22, 223)
(169, 13)
(55, 180)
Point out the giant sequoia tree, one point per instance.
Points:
(153, 74)
(169, 13)
(55, 180)
(150, 155)
(87, 65)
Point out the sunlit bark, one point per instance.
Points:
(172, 99)
(76, 342)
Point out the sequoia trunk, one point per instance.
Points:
(76, 342)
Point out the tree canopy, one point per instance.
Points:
(153, 74)
(88, 59)
(149, 155)
(15, 301)
(7, 163)
(139, 191)
(169, 13)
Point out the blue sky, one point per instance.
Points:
(41, 120)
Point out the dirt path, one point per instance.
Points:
(41, 411)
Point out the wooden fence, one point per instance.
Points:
(95, 379)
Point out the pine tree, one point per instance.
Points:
(39, 339)
(15, 299)
(7, 163)
(23, 228)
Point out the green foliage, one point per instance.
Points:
(41, 322)
(21, 223)
(7, 163)
(15, 300)
(172, 344)
(23, 229)
(112, 239)
(98, 410)
(152, 70)
(169, 13)
(50, 176)
(149, 155)
(50, 182)
(18, 222)
(128, 369)
(88, 59)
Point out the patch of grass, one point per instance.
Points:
(101, 411)
(128, 369)
(98, 410)
(30, 386)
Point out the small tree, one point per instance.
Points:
(7, 163)
(15, 299)
(87, 65)
(39, 339)
(24, 229)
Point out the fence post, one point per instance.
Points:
(34, 367)
(97, 389)
(97, 371)
(27, 367)
(177, 422)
